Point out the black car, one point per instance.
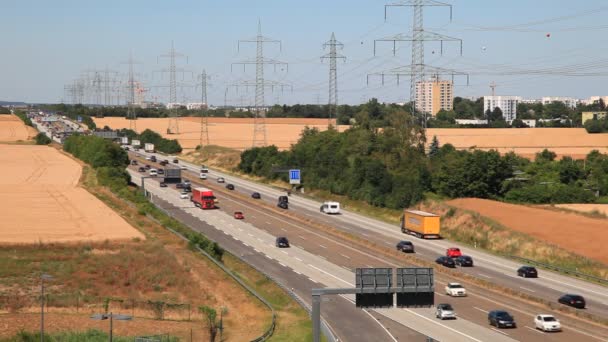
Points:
(161, 171)
(175, 161)
(133, 162)
(164, 162)
(283, 199)
(501, 319)
(283, 205)
(163, 184)
(405, 246)
(153, 159)
(230, 186)
(572, 300)
(141, 169)
(527, 272)
(446, 261)
(256, 195)
(282, 242)
(147, 167)
(464, 261)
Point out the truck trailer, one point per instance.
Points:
(149, 147)
(421, 224)
(203, 198)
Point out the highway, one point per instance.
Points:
(338, 261)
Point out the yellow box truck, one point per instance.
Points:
(421, 224)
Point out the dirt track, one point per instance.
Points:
(13, 129)
(42, 203)
(234, 133)
(579, 234)
(586, 208)
(574, 142)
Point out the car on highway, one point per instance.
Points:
(239, 215)
(175, 161)
(405, 246)
(230, 186)
(161, 171)
(283, 205)
(221, 180)
(527, 272)
(204, 169)
(184, 195)
(547, 323)
(153, 172)
(163, 184)
(501, 319)
(153, 159)
(202, 175)
(455, 290)
(183, 167)
(282, 242)
(147, 167)
(142, 169)
(445, 261)
(179, 185)
(148, 158)
(445, 311)
(283, 199)
(453, 252)
(573, 300)
(133, 162)
(164, 162)
(256, 195)
(464, 261)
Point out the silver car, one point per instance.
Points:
(445, 311)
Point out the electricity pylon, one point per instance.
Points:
(333, 56)
(173, 127)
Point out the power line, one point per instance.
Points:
(333, 56)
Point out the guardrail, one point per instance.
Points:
(577, 274)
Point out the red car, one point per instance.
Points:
(238, 215)
(453, 252)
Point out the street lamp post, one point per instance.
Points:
(43, 277)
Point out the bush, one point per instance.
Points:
(42, 139)
(24, 118)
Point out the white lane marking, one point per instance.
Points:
(285, 252)
(538, 331)
(445, 326)
(440, 294)
(283, 229)
(301, 237)
(260, 240)
(282, 264)
(388, 243)
(482, 310)
(504, 333)
(322, 246)
(322, 257)
(329, 274)
(255, 249)
(347, 257)
(250, 234)
(245, 243)
(383, 327)
(297, 272)
(300, 260)
(368, 266)
(268, 256)
(240, 229)
(365, 234)
(527, 289)
(268, 223)
(252, 216)
(234, 237)
(309, 278)
(485, 275)
(346, 268)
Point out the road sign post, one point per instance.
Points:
(294, 176)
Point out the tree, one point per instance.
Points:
(569, 171)
(518, 123)
(42, 139)
(593, 126)
(495, 115)
(212, 322)
(545, 156)
(434, 148)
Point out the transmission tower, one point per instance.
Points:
(259, 122)
(130, 93)
(173, 127)
(333, 57)
(418, 70)
(205, 105)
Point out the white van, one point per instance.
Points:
(330, 208)
(153, 172)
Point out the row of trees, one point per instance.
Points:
(382, 160)
(169, 146)
(4, 110)
(597, 125)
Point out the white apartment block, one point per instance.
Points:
(507, 104)
(568, 101)
(434, 95)
(594, 99)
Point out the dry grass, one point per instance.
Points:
(13, 130)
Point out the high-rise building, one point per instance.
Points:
(507, 104)
(434, 95)
(568, 101)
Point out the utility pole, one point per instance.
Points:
(333, 56)
(130, 94)
(259, 121)
(417, 70)
(173, 127)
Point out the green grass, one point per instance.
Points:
(87, 336)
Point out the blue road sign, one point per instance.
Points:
(79, 118)
(294, 176)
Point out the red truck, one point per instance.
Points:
(203, 198)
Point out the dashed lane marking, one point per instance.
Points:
(498, 331)
(482, 310)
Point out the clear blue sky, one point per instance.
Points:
(47, 44)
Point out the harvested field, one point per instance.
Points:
(582, 235)
(236, 133)
(586, 208)
(41, 201)
(526, 142)
(13, 129)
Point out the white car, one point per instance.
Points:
(153, 172)
(547, 323)
(455, 290)
(330, 208)
(184, 195)
(148, 157)
(203, 176)
(445, 311)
